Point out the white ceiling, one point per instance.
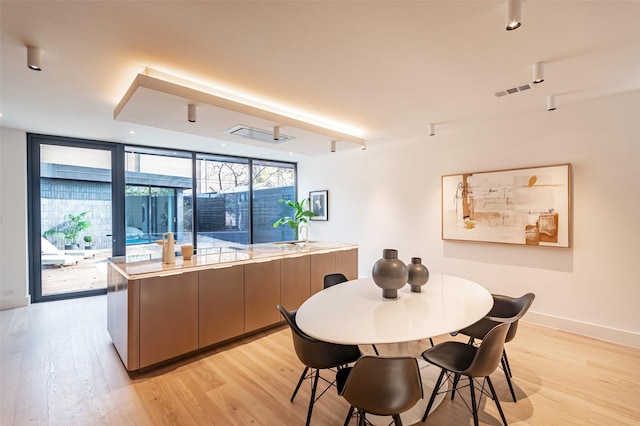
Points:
(385, 68)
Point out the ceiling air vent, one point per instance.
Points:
(513, 90)
(257, 134)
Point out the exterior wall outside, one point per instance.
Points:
(78, 196)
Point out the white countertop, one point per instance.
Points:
(150, 265)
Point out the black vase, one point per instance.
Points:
(390, 273)
(418, 274)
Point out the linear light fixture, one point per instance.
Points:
(204, 95)
(514, 14)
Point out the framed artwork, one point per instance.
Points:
(527, 206)
(319, 201)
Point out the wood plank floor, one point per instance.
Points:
(59, 367)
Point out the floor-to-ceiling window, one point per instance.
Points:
(90, 200)
(158, 187)
(222, 200)
(71, 216)
(272, 181)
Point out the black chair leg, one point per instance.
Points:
(474, 406)
(456, 379)
(506, 362)
(375, 350)
(313, 396)
(433, 395)
(349, 414)
(506, 375)
(431, 341)
(363, 420)
(397, 420)
(304, 373)
(495, 398)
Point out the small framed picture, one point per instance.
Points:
(319, 204)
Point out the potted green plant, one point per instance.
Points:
(70, 228)
(300, 215)
(88, 239)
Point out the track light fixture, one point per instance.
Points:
(34, 58)
(432, 129)
(514, 12)
(276, 133)
(538, 72)
(191, 113)
(551, 103)
(333, 146)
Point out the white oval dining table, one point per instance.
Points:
(354, 312)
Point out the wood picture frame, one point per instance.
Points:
(524, 206)
(319, 204)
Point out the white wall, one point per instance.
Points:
(13, 219)
(389, 197)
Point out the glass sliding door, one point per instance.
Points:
(71, 218)
(157, 197)
(271, 182)
(222, 201)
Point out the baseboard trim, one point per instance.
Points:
(609, 334)
(14, 302)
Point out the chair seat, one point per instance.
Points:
(452, 356)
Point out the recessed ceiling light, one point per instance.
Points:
(290, 153)
(224, 144)
(132, 132)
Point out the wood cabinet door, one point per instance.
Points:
(295, 281)
(347, 263)
(321, 265)
(262, 294)
(168, 317)
(221, 304)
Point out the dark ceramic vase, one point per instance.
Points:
(418, 274)
(390, 273)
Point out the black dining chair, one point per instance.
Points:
(332, 279)
(317, 355)
(461, 359)
(382, 386)
(505, 309)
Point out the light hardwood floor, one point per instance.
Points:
(59, 367)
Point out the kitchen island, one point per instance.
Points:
(157, 312)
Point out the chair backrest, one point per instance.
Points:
(489, 352)
(509, 309)
(333, 279)
(383, 385)
(316, 353)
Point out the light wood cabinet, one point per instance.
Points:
(295, 281)
(321, 265)
(347, 263)
(168, 317)
(261, 294)
(221, 304)
(153, 316)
